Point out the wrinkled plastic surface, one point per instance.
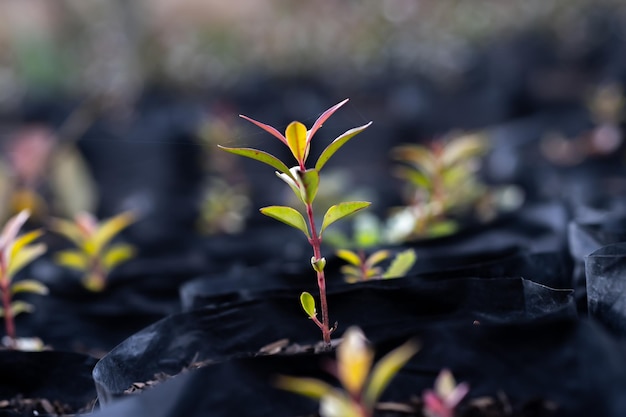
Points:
(606, 286)
(572, 363)
(550, 268)
(380, 308)
(53, 375)
(138, 293)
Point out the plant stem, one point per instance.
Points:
(316, 242)
(8, 314)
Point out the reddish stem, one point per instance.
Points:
(316, 242)
(9, 324)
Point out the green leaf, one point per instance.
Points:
(351, 271)
(260, 156)
(29, 285)
(297, 141)
(463, 149)
(338, 143)
(111, 228)
(318, 264)
(413, 176)
(386, 368)
(418, 156)
(307, 387)
(377, 257)
(341, 210)
(287, 215)
(72, 259)
(69, 230)
(308, 304)
(117, 254)
(25, 256)
(349, 256)
(309, 183)
(401, 264)
(443, 228)
(24, 240)
(19, 307)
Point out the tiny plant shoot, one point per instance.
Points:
(94, 255)
(442, 179)
(15, 253)
(363, 382)
(443, 400)
(305, 183)
(363, 268)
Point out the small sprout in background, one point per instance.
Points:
(606, 108)
(16, 253)
(443, 400)
(305, 184)
(94, 255)
(362, 381)
(226, 203)
(363, 268)
(443, 184)
(224, 208)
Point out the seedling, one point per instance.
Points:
(362, 384)
(442, 179)
(363, 268)
(443, 400)
(15, 253)
(224, 208)
(94, 255)
(305, 184)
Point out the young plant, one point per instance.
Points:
(363, 268)
(442, 179)
(94, 255)
(15, 253)
(443, 400)
(362, 383)
(305, 184)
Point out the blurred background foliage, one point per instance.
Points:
(118, 47)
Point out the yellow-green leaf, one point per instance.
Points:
(414, 176)
(19, 307)
(111, 228)
(386, 368)
(260, 156)
(24, 240)
(287, 215)
(296, 140)
(377, 257)
(309, 183)
(68, 229)
(117, 254)
(416, 155)
(72, 259)
(338, 143)
(350, 271)
(341, 210)
(401, 264)
(349, 256)
(354, 360)
(308, 387)
(464, 148)
(29, 285)
(308, 304)
(25, 256)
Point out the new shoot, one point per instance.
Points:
(16, 253)
(305, 183)
(95, 256)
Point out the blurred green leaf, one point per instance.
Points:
(401, 264)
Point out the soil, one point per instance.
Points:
(42, 407)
